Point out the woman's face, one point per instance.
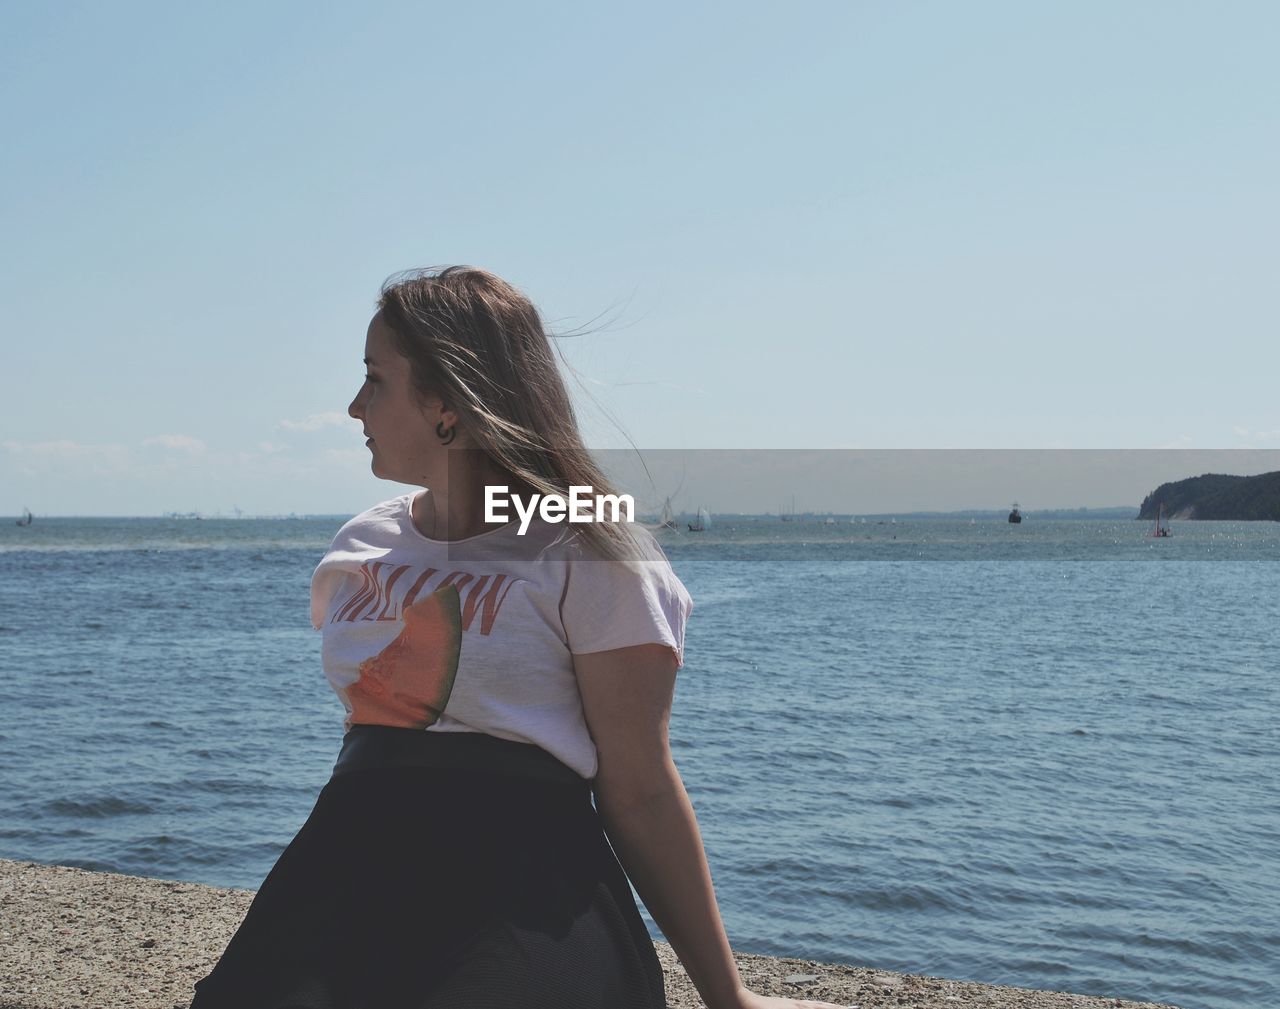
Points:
(401, 431)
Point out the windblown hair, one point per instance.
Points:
(479, 344)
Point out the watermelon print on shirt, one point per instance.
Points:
(408, 683)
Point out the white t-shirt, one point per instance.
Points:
(478, 635)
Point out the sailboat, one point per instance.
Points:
(789, 516)
(668, 519)
(1015, 516)
(1162, 527)
(27, 518)
(702, 523)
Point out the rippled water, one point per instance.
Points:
(1034, 756)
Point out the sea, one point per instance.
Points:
(1042, 755)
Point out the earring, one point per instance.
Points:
(444, 435)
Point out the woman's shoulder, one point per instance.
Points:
(385, 519)
(394, 509)
(629, 542)
(571, 542)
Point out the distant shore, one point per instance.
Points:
(70, 938)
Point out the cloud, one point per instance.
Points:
(271, 447)
(318, 421)
(64, 449)
(43, 459)
(1256, 436)
(43, 448)
(345, 457)
(177, 442)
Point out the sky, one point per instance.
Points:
(889, 225)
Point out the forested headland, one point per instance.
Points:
(1217, 496)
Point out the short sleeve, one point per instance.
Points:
(619, 603)
(341, 560)
(325, 583)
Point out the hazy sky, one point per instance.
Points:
(844, 225)
(883, 481)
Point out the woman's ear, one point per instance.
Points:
(435, 411)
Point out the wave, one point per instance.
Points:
(97, 807)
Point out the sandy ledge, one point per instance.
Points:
(72, 939)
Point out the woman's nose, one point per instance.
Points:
(356, 408)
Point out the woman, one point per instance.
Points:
(495, 675)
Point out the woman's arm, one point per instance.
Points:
(626, 696)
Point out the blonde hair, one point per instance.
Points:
(479, 344)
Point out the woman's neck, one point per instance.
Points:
(454, 509)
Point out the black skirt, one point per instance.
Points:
(442, 871)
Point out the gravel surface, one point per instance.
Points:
(71, 939)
